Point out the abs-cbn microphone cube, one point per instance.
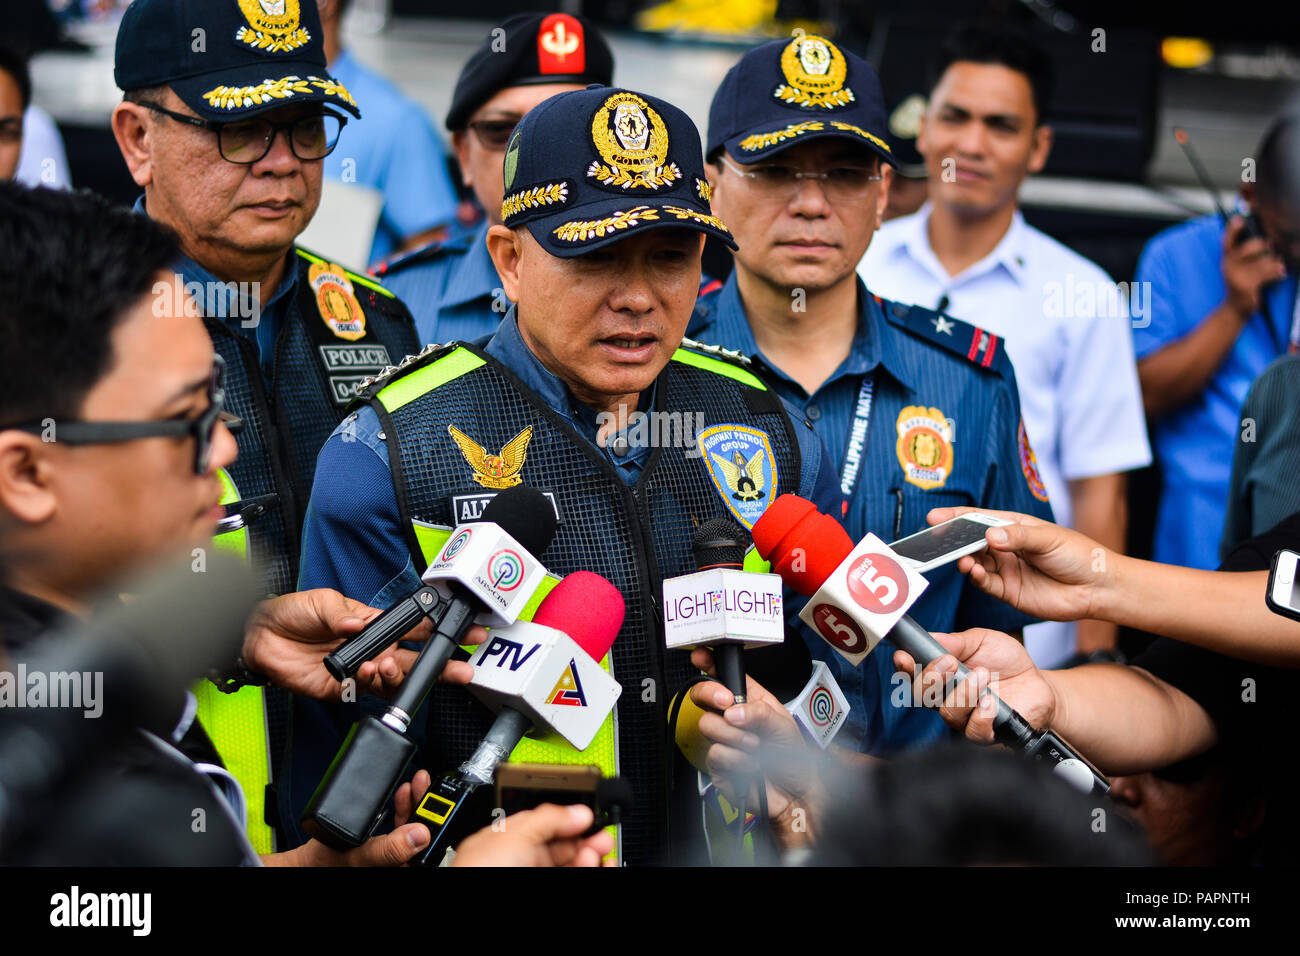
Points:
(546, 676)
(875, 586)
(489, 563)
(710, 607)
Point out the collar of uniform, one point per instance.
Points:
(24, 618)
(874, 342)
(1010, 253)
(473, 273)
(192, 271)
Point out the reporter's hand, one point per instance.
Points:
(547, 835)
(288, 638)
(1247, 268)
(388, 849)
(757, 736)
(1037, 567)
(996, 661)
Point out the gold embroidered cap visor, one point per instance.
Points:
(228, 59)
(768, 139)
(576, 230)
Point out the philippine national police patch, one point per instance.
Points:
(273, 25)
(1029, 465)
(337, 300)
(924, 446)
(743, 468)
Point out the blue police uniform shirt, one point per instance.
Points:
(237, 306)
(353, 541)
(1195, 443)
(394, 148)
(451, 287)
(912, 379)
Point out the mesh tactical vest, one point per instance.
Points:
(634, 536)
(314, 377)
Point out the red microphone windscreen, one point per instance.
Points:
(803, 545)
(588, 608)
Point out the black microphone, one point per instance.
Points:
(721, 543)
(365, 772)
(180, 625)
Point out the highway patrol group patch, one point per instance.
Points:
(337, 300)
(743, 468)
(632, 139)
(814, 71)
(924, 446)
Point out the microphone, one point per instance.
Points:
(491, 557)
(861, 593)
(483, 569)
(543, 676)
(722, 607)
(142, 655)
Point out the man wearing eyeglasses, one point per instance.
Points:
(452, 287)
(227, 115)
(917, 409)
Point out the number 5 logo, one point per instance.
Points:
(838, 629)
(878, 583)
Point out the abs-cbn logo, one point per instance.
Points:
(878, 583)
(821, 707)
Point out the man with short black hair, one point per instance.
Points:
(1064, 324)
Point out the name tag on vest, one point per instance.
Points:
(347, 366)
(469, 505)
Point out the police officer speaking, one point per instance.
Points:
(919, 409)
(600, 250)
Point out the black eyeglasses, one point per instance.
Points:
(244, 142)
(494, 135)
(202, 429)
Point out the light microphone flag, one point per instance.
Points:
(546, 676)
(706, 607)
(489, 563)
(821, 707)
(877, 584)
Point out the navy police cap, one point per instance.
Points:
(526, 49)
(228, 59)
(589, 167)
(790, 91)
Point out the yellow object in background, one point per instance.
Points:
(1186, 53)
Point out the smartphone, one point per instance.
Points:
(1283, 595)
(522, 786)
(944, 543)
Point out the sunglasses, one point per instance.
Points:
(202, 429)
(494, 135)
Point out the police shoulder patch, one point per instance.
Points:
(980, 348)
(1029, 465)
(743, 467)
(429, 252)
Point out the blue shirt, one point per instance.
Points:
(395, 149)
(918, 388)
(1195, 443)
(451, 287)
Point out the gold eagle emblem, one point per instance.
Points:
(744, 478)
(494, 471)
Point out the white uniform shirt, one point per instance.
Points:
(1066, 330)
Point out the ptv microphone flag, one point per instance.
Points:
(821, 706)
(489, 563)
(708, 607)
(880, 587)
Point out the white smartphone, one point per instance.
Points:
(946, 542)
(1283, 595)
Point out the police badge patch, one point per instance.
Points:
(273, 26)
(632, 139)
(1029, 465)
(924, 446)
(743, 468)
(814, 71)
(337, 300)
(494, 471)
